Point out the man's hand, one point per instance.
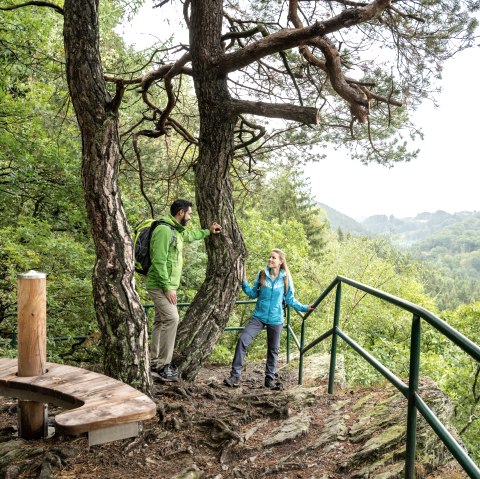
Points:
(215, 229)
(171, 296)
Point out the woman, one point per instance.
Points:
(271, 286)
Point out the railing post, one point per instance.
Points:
(412, 390)
(32, 349)
(288, 334)
(333, 354)
(302, 345)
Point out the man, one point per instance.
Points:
(163, 280)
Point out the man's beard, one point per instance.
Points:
(183, 222)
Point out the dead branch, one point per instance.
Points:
(290, 38)
(140, 173)
(301, 114)
(274, 43)
(254, 137)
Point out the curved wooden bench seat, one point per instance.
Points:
(102, 406)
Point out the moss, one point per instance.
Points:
(384, 440)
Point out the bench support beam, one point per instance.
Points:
(114, 433)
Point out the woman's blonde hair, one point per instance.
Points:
(284, 266)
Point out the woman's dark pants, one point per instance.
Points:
(253, 327)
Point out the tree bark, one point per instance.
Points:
(204, 322)
(119, 312)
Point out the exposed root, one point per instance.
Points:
(289, 466)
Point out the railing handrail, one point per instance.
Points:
(415, 402)
(439, 324)
(13, 335)
(287, 326)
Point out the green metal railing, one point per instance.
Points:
(287, 326)
(414, 401)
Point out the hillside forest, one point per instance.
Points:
(445, 242)
(46, 223)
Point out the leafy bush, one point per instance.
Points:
(68, 263)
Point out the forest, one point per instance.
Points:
(56, 217)
(445, 242)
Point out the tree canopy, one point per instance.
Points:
(342, 73)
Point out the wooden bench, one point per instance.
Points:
(103, 407)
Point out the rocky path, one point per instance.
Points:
(206, 430)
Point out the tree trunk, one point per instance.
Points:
(119, 312)
(209, 313)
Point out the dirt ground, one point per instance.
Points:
(202, 429)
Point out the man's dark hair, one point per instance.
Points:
(178, 205)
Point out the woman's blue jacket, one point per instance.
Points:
(268, 309)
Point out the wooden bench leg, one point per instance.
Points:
(32, 419)
(114, 433)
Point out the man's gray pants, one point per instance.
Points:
(164, 331)
(253, 327)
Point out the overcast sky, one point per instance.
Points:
(446, 174)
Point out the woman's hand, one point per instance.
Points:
(310, 307)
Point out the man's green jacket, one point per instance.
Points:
(166, 255)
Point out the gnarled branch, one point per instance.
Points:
(55, 7)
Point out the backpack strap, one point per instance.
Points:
(172, 229)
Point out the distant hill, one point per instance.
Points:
(407, 231)
(344, 222)
(448, 242)
(456, 233)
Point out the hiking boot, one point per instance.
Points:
(232, 382)
(270, 383)
(167, 373)
(273, 384)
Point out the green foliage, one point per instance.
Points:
(221, 354)
(39, 142)
(448, 245)
(294, 200)
(456, 372)
(32, 245)
(287, 196)
(381, 328)
(43, 223)
(453, 252)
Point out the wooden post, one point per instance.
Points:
(32, 349)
